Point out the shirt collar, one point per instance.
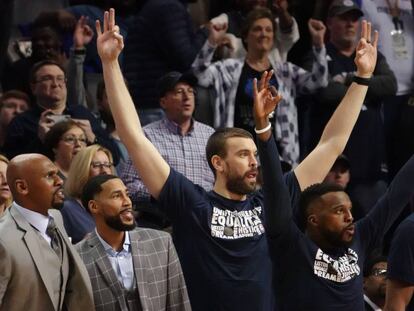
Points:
(35, 219)
(372, 304)
(174, 128)
(108, 248)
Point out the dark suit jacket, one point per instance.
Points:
(158, 273)
(24, 276)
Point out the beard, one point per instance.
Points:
(336, 239)
(237, 184)
(115, 222)
(56, 202)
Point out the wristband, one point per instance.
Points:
(263, 130)
(361, 81)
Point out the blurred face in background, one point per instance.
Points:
(101, 164)
(71, 142)
(10, 108)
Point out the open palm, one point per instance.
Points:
(109, 43)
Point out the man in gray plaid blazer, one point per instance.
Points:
(130, 268)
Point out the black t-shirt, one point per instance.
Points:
(401, 257)
(243, 117)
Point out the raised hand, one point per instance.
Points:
(317, 30)
(216, 32)
(265, 97)
(366, 51)
(109, 43)
(280, 6)
(83, 34)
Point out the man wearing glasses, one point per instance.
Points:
(27, 131)
(178, 137)
(375, 276)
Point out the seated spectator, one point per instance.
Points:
(160, 39)
(6, 198)
(64, 140)
(89, 162)
(375, 277)
(339, 173)
(12, 103)
(232, 79)
(26, 132)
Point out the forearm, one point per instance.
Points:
(75, 86)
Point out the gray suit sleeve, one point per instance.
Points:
(5, 271)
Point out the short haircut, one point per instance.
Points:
(252, 17)
(216, 144)
(35, 68)
(94, 187)
(14, 94)
(78, 174)
(371, 261)
(55, 134)
(310, 195)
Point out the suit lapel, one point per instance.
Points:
(32, 240)
(140, 266)
(104, 266)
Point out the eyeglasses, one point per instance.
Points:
(379, 272)
(72, 140)
(180, 92)
(50, 79)
(101, 165)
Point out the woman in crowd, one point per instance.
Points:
(232, 78)
(89, 162)
(5, 194)
(64, 140)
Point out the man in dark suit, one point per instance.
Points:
(130, 268)
(39, 268)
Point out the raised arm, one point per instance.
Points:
(149, 163)
(317, 164)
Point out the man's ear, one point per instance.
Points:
(312, 220)
(218, 163)
(21, 186)
(162, 102)
(93, 206)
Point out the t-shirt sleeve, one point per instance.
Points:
(401, 257)
(179, 197)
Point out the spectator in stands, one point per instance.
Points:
(339, 173)
(179, 138)
(160, 39)
(286, 31)
(368, 166)
(215, 220)
(64, 140)
(375, 278)
(89, 162)
(400, 276)
(12, 103)
(46, 45)
(142, 270)
(232, 79)
(27, 131)
(6, 198)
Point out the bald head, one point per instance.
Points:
(34, 182)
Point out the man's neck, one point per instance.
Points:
(184, 125)
(56, 107)
(113, 237)
(345, 48)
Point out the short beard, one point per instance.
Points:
(116, 223)
(335, 239)
(237, 185)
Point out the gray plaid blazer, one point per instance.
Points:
(158, 273)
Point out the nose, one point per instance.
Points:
(58, 180)
(3, 179)
(348, 216)
(253, 161)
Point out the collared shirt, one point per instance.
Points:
(184, 153)
(121, 261)
(36, 220)
(373, 305)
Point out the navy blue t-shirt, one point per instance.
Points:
(309, 278)
(221, 243)
(401, 256)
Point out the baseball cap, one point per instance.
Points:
(339, 7)
(343, 161)
(167, 82)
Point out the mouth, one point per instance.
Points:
(350, 229)
(127, 213)
(59, 194)
(251, 174)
